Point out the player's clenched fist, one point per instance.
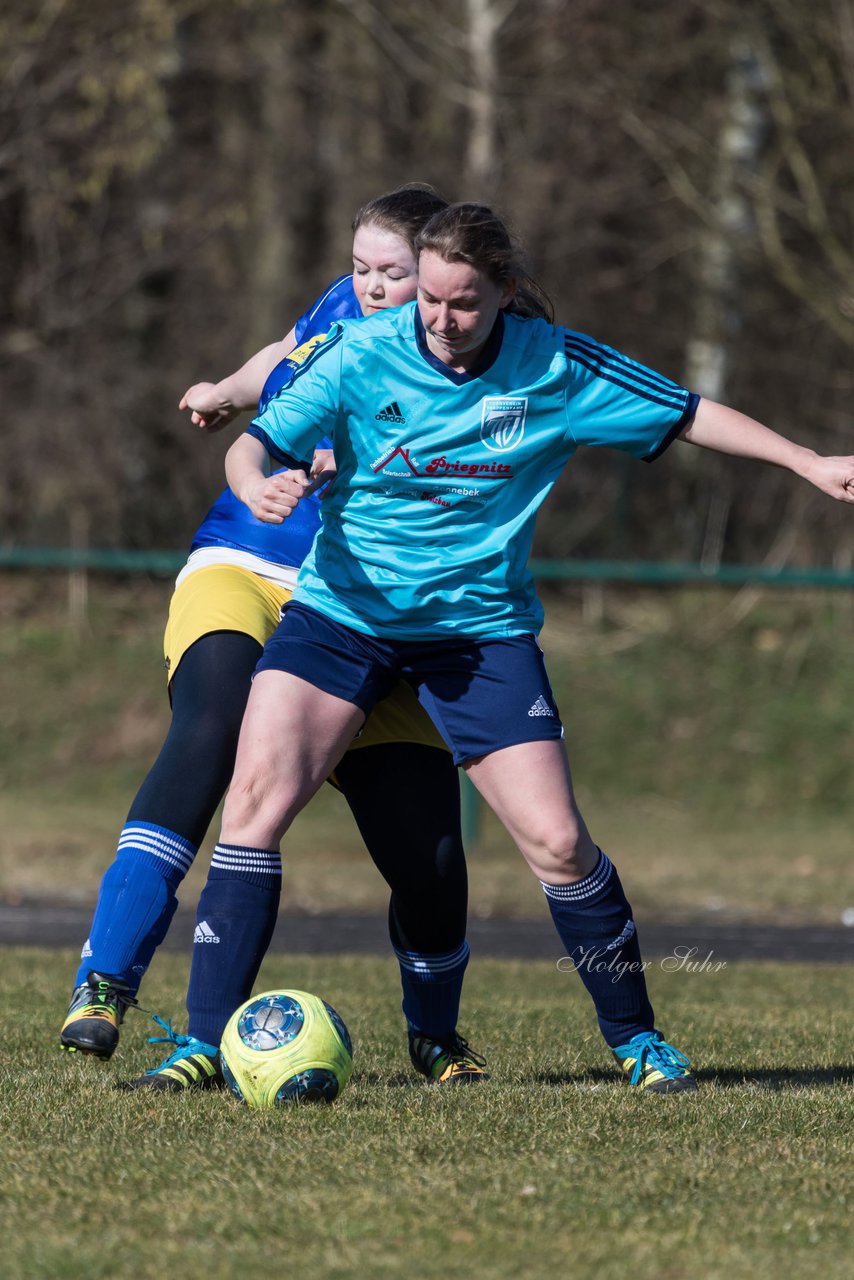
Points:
(274, 498)
(209, 409)
(834, 476)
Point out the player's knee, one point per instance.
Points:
(252, 805)
(559, 851)
(206, 736)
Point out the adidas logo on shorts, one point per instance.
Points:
(204, 933)
(541, 708)
(391, 413)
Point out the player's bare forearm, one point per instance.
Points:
(269, 498)
(246, 461)
(213, 405)
(716, 426)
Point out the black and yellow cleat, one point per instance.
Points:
(96, 1012)
(447, 1061)
(654, 1065)
(192, 1065)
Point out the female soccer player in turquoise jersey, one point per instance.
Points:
(451, 420)
(226, 603)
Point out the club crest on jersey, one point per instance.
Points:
(502, 423)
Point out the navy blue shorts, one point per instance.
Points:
(482, 695)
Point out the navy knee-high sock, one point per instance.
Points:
(136, 902)
(432, 986)
(594, 921)
(234, 925)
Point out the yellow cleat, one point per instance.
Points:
(94, 1016)
(447, 1061)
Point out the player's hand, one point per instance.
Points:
(834, 476)
(324, 460)
(323, 470)
(274, 498)
(208, 409)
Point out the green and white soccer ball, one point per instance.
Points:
(286, 1046)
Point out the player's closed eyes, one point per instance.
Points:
(363, 271)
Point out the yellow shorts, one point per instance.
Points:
(225, 597)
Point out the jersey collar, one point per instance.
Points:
(485, 360)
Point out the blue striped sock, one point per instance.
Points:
(432, 986)
(594, 920)
(234, 925)
(136, 902)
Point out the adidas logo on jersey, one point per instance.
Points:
(541, 708)
(391, 413)
(204, 933)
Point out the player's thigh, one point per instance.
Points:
(220, 598)
(293, 734)
(529, 787)
(315, 684)
(405, 798)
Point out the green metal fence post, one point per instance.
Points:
(471, 807)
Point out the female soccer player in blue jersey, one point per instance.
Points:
(227, 601)
(451, 420)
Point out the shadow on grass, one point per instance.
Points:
(780, 1077)
(770, 1078)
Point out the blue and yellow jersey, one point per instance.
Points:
(427, 530)
(338, 302)
(229, 523)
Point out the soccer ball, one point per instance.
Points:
(285, 1046)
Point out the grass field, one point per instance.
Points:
(710, 736)
(711, 742)
(553, 1168)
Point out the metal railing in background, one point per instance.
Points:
(642, 572)
(107, 560)
(662, 573)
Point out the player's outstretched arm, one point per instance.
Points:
(269, 498)
(213, 405)
(715, 426)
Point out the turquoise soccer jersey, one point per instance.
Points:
(427, 529)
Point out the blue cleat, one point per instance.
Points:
(654, 1065)
(192, 1065)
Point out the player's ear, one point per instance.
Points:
(508, 293)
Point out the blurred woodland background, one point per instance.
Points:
(178, 178)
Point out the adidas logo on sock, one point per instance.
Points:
(541, 708)
(87, 949)
(391, 413)
(204, 933)
(627, 934)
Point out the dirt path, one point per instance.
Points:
(61, 925)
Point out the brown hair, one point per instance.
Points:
(474, 234)
(402, 212)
